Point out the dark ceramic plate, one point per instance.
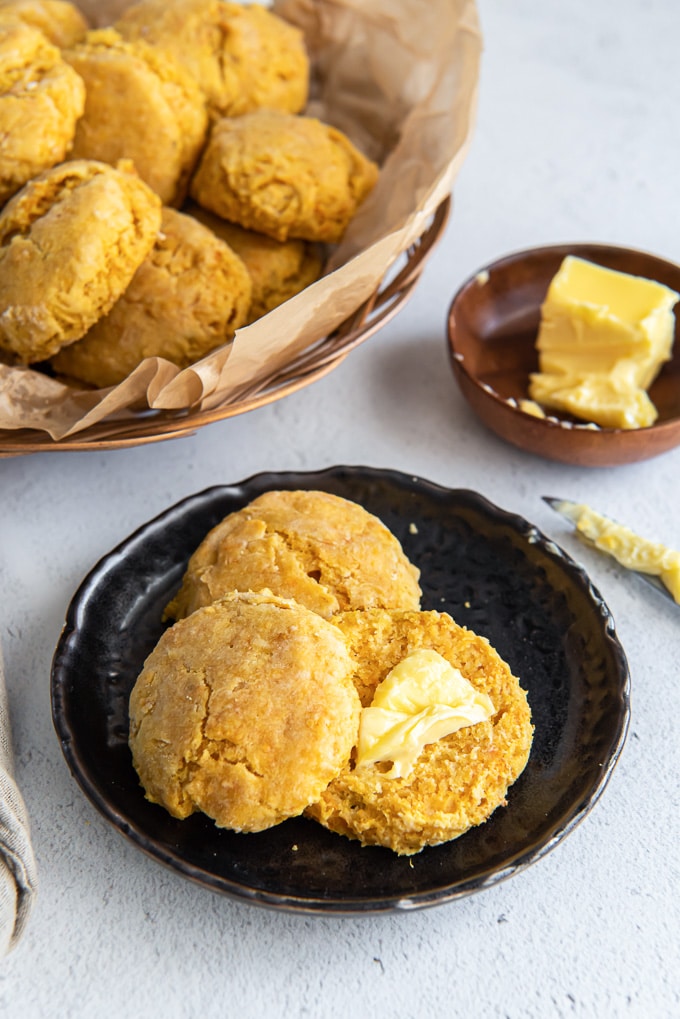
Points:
(493, 571)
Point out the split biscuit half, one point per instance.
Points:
(458, 781)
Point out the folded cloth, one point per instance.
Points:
(18, 876)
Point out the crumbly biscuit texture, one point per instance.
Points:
(141, 105)
(243, 56)
(278, 269)
(325, 552)
(284, 176)
(41, 99)
(70, 242)
(62, 22)
(189, 296)
(458, 781)
(244, 711)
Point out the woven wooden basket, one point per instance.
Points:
(312, 364)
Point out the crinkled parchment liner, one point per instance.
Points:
(400, 78)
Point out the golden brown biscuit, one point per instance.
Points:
(278, 269)
(242, 56)
(283, 176)
(189, 296)
(458, 781)
(62, 22)
(70, 242)
(141, 105)
(324, 552)
(41, 98)
(244, 711)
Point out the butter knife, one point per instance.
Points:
(568, 511)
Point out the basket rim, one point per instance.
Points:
(311, 365)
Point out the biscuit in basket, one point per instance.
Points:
(141, 105)
(278, 269)
(242, 55)
(189, 296)
(245, 711)
(282, 175)
(41, 98)
(325, 552)
(61, 21)
(70, 242)
(457, 781)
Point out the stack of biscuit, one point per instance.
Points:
(162, 186)
(291, 613)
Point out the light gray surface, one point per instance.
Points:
(577, 139)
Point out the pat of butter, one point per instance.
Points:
(532, 408)
(602, 339)
(612, 401)
(420, 701)
(628, 548)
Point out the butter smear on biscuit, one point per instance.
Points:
(421, 700)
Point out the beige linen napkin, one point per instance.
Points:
(18, 877)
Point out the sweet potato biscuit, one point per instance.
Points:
(244, 711)
(41, 98)
(242, 56)
(325, 552)
(61, 21)
(70, 242)
(458, 781)
(189, 296)
(141, 105)
(283, 176)
(278, 269)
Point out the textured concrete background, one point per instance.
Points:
(577, 139)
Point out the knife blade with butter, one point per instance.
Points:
(652, 561)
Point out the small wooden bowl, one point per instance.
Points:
(492, 327)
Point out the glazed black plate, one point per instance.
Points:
(494, 573)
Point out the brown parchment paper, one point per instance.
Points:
(400, 78)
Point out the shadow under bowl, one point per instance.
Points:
(492, 328)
